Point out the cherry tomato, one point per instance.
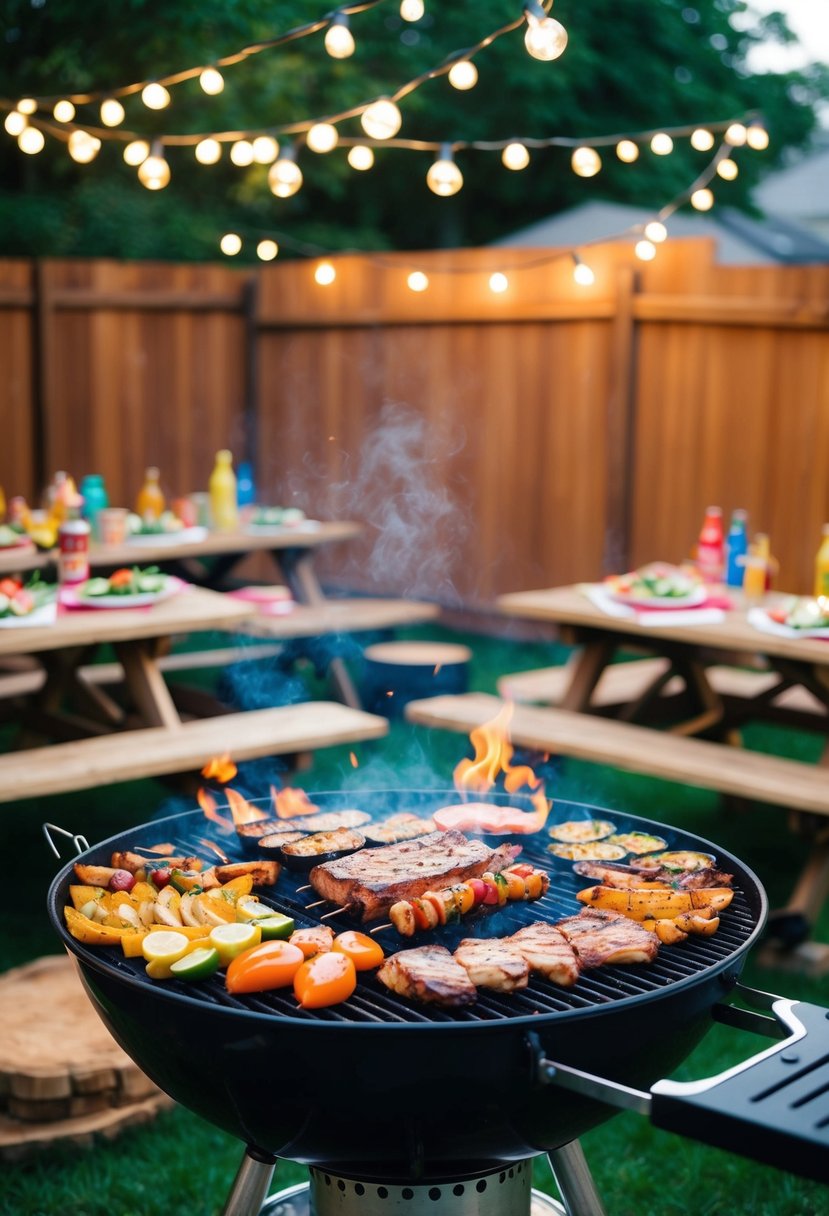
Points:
(120, 578)
(325, 979)
(422, 918)
(363, 950)
(159, 878)
(10, 587)
(478, 888)
(268, 965)
(491, 896)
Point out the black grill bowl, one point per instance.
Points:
(410, 1087)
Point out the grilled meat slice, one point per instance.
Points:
(629, 878)
(429, 974)
(548, 952)
(370, 881)
(493, 963)
(603, 937)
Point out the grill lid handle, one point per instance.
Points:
(80, 842)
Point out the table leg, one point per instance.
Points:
(588, 669)
(146, 685)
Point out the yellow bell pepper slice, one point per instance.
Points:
(90, 932)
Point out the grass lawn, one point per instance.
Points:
(180, 1164)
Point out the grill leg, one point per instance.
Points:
(251, 1184)
(574, 1181)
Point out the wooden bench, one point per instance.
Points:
(160, 751)
(623, 683)
(333, 616)
(639, 749)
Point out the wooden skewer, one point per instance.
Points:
(307, 887)
(316, 904)
(336, 912)
(377, 928)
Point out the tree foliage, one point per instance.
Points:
(628, 68)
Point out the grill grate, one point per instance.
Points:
(373, 1004)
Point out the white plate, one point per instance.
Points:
(662, 602)
(760, 619)
(303, 525)
(46, 614)
(187, 536)
(71, 597)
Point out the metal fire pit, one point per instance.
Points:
(380, 1074)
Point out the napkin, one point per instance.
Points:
(710, 612)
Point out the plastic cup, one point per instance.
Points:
(112, 525)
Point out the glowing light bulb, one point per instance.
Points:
(361, 157)
(463, 75)
(211, 81)
(339, 41)
(757, 137)
(645, 251)
(230, 244)
(267, 250)
(583, 274)
(702, 200)
(545, 38)
(31, 141)
(112, 112)
(83, 147)
(15, 122)
(515, 156)
(64, 111)
(702, 140)
(727, 169)
(241, 153)
(284, 177)
(412, 10)
(417, 281)
(322, 137)
(656, 231)
(27, 105)
(662, 144)
(382, 119)
(154, 172)
(498, 283)
(325, 274)
(585, 161)
(136, 152)
(265, 149)
(627, 151)
(736, 135)
(208, 151)
(155, 96)
(444, 177)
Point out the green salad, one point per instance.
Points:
(126, 581)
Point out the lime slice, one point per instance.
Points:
(197, 965)
(248, 907)
(275, 926)
(164, 946)
(231, 940)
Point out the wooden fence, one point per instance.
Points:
(490, 442)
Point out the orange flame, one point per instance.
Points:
(289, 803)
(355, 763)
(214, 848)
(493, 753)
(220, 768)
(208, 804)
(242, 810)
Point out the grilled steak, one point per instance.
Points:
(548, 952)
(603, 937)
(429, 974)
(370, 881)
(493, 963)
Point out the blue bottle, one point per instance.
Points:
(245, 488)
(736, 547)
(95, 499)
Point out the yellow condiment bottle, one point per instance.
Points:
(224, 506)
(150, 502)
(822, 565)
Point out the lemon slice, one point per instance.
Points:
(248, 907)
(164, 946)
(231, 940)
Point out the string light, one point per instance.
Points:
(727, 169)
(515, 156)
(154, 172)
(155, 96)
(267, 250)
(112, 112)
(382, 119)
(322, 137)
(31, 141)
(757, 137)
(265, 149)
(208, 151)
(230, 244)
(444, 178)
(498, 283)
(545, 38)
(656, 231)
(417, 281)
(627, 151)
(702, 199)
(325, 274)
(412, 10)
(64, 111)
(339, 40)
(137, 151)
(285, 175)
(702, 140)
(361, 157)
(662, 144)
(582, 273)
(15, 122)
(241, 153)
(211, 81)
(736, 135)
(463, 75)
(83, 147)
(645, 250)
(585, 162)
(27, 105)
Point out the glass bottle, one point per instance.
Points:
(95, 499)
(736, 547)
(224, 507)
(150, 502)
(710, 547)
(245, 488)
(757, 567)
(822, 565)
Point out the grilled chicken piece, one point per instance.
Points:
(493, 963)
(630, 878)
(429, 974)
(548, 952)
(603, 937)
(370, 881)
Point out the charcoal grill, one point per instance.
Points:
(538, 1067)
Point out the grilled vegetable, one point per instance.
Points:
(326, 979)
(318, 939)
(264, 967)
(364, 952)
(311, 850)
(232, 940)
(654, 904)
(435, 908)
(580, 831)
(199, 964)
